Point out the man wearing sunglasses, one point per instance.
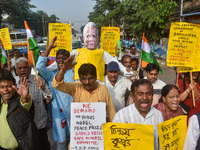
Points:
(61, 102)
(88, 89)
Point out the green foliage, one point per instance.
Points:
(106, 12)
(149, 16)
(19, 10)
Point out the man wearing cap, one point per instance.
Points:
(117, 85)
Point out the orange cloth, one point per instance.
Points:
(75, 89)
(144, 64)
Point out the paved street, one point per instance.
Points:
(168, 77)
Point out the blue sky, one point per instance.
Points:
(76, 11)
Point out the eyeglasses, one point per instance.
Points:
(64, 58)
(89, 79)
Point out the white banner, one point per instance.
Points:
(86, 126)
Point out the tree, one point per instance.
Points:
(106, 12)
(18, 11)
(149, 16)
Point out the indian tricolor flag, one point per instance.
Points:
(3, 55)
(31, 45)
(147, 55)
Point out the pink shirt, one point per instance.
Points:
(172, 114)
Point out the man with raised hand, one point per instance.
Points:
(40, 93)
(87, 90)
(17, 128)
(61, 101)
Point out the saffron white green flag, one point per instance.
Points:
(147, 55)
(31, 45)
(3, 56)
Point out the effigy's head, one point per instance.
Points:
(90, 35)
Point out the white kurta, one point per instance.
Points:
(130, 114)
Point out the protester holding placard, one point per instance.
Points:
(169, 102)
(61, 101)
(87, 90)
(186, 87)
(141, 111)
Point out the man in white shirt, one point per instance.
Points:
(141, 111)
(152, 71)
(192, 141)
(117, 85)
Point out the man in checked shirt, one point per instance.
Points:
(39, 91)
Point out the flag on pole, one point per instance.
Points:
(3, 55)
(31, 45)
(147, 55)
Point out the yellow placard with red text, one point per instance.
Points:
(5, 38)
(196, 66)
(109, 37)
(128, 136)
(184, 46)
(63, 33)
(172, 133)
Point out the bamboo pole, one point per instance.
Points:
(177, 70)
(193, 99)
(9, 67)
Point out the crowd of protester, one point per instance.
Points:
(129, 96)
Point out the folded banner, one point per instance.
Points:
(128, 136)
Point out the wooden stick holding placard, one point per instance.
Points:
(9, 67)
(177, 71)
(193, 99)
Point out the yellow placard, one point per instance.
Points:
(94, 57)
(196, 66)
(63, 33)
(128, 136)
(109, 37)
(172, 133)
(183, 44)
(5, 38)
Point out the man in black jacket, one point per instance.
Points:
(17, 129)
